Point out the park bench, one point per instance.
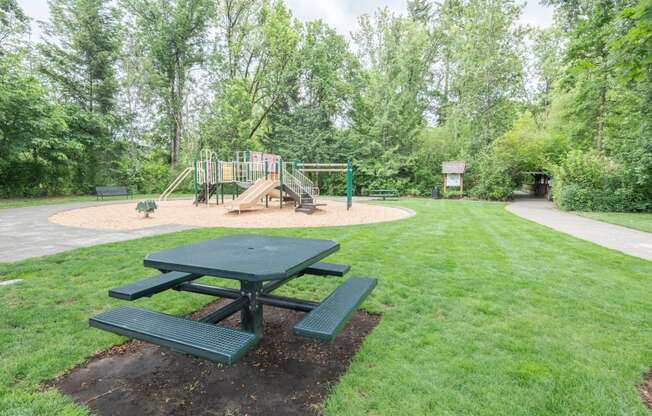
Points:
(383, 193)
(203, 337)
(102, 191)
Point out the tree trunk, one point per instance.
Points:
(176, 111)
(602, 103)
(173, 134)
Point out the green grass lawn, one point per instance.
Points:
(637, 220)
(483, 313)
(28, 202)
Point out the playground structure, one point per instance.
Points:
(261, 176)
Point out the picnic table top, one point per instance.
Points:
(244, 257)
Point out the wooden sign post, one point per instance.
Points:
(453, 174)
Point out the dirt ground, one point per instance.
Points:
(645, 388)
(183, 212)
(283, 375)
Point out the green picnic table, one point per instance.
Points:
(261, 264)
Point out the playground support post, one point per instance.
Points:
(206, 183)
(349, 184)
(196, 177)
(280, 171)
(217, 179)
(266, 178)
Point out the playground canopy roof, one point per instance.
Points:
(453, 166)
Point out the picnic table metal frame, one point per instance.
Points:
(254, 293)
(261, 264)
(249, 301)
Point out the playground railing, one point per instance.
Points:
(253, 171)
(306, 183)
(299, 183)
(293, 183)
(174, 184)
(241, 171)
(206, 172)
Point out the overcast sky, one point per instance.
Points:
(341, 14)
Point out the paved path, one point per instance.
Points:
(629, 241)
(26, 232)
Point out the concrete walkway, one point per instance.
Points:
(629, 241)
(26, 232)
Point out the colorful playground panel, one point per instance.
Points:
(261, 175)
(261, 264)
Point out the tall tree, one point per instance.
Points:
(173, 36)
(546, 67)
(80, 51)
(589, 26)
(486, 69)
(78, 59)
(37, 153)
(303, 124)
(388, 108)
(420, 10)
(255, 63)
(13, 23)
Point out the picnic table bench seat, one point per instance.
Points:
(327, 320)
(327, 269)
(213, 342)
(151, 285)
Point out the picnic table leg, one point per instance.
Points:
(252, 315)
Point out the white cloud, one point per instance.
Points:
(340, 14)
(343, 14)
(537, 14)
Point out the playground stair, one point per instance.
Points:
(201, 198)
(305, 202)
(249, 198)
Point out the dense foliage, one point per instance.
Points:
(128, 92)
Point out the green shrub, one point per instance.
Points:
(492, 180)
(453, 194)
(590, 181)
(526, 147)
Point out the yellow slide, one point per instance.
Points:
(249, 198)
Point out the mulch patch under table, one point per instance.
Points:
(645, 388)
(282, 375)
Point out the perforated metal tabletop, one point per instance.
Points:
(252, 258)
